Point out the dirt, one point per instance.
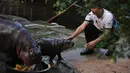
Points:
(92, 64)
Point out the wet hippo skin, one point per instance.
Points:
(17, 43)
(54, 46)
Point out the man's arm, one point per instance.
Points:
(79, 30)
(104, 37)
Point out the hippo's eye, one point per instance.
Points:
(25, 49)
(30, 51)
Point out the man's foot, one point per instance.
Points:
(87, 52)
(103, 51)
(109, 53)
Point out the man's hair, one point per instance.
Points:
(95, 4)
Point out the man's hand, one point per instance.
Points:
(91, 45)
(70, 38)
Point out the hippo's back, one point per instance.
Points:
(13, 34)
(8, 30)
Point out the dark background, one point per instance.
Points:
(40, 10)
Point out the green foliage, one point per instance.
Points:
(61, 5)
(120, 9)
(125, 27)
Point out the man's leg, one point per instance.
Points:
(91, 33)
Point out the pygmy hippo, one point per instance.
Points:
(53, 47)
(17, 43)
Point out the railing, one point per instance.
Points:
(24, 1)
(32, 11)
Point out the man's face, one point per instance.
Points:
(95, 10)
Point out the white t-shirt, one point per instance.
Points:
(106, 21)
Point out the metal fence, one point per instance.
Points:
(27, 9)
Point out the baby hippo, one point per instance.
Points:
(54, 46)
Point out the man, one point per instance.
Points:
(97, 25)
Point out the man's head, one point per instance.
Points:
(96, 8)
(97, 11)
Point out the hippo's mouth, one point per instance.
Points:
(24, 56)
(28, 58)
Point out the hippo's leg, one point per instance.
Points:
(59, 56)
(51, 60)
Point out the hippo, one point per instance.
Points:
(18, 44)
(54, 46)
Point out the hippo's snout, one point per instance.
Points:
(70, 43)
(31, 56)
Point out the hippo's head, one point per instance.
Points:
(15, 36)
(66, 44)
(28, 51)
(30, 55)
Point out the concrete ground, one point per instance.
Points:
(91, 64)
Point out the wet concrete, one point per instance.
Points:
(67, 65)
(63, 67)
(73, 54)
